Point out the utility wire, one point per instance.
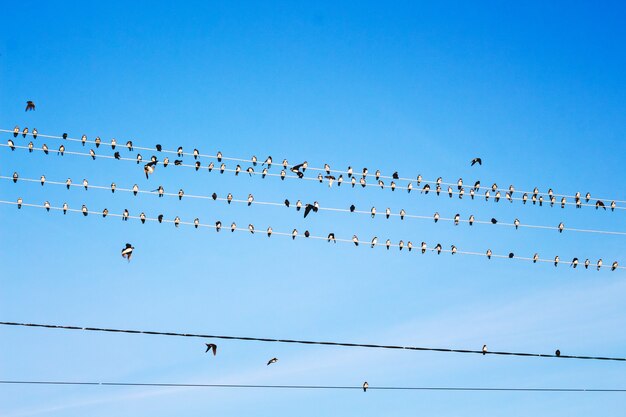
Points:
(306, 387)
(332, 209)
(311, 342)
(504, 190)
(399, 245)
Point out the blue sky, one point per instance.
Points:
(535, 90)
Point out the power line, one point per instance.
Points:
(306, 387)
(409, 246)
(333, 209)
(393, 186)
(310, 342)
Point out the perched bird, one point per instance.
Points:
(268, 162)
(42, 180)
(365, 386)
(113, 143)
(129, 145)
(600, 204)
(516, 223)
(237, 169)
(374, 242)
(125, 215)
(271, 361)
(24, 132)
(160, 191)
(127, 252)
(30, 147)
(409, 187)
(476, 161)
(424, 248)
(511, 255)
(149, 168)
(449, 191)
(229, 198)
(16, 131)
(117, 155)
(497, 196)
(320, 178)
(287, 203)
(176, 221)
(525, 198)
(211, 166)
(264, 173)
(452, 249)
(419, 179)
(350, 171)
(269, 231)
(83, 140)
(330, 179)
(355, 240)
(197, 165)
(160, 218)
(113, 187)
(250, 199)
(494, 187)
(283, 174)
(214, 196)
(196, 153)
(219, 156)
(377, 174)
(327, 169)
(92, 154)
(181, 193)
(44, 147)
(614, 266)
(484, 349)
(285, 163)
(599, 264)
(556, 260)
(309, 207)
(489, 253)
(587, 262)
(306, 233)
(250, 171)
(65, 207)
(381, 183)
(561, 227)
(587, 197)
(438, 248)
(16, 176)
(364, 172)
(294, 233)
(373, 212)
(30, 105)
(218, 226)
(298, 205)
(439, 181)
(47, 205)
(142, 217)
(105, 212)
(11, 144)
(494, 221)
(84, 210)
(85, 184)
(387, 212)
(400, 245)
(353, 181)
(331, 237)
(251, 228)
(166, 162)
(436, 217)
(352, 208)
(178, 162)
(362, 182)
(535, 258)
(613, 205)
(557, 353)
(402, 214)
(574, 263)
(409, 245)
(487, 195)
(98, 141)
(457, 218)
(393, 186)
(19, 202)
(179, 152)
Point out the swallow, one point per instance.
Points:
(393, 186)
(250, 171)
(471, 219)
(352, 208)
(436, 217)
(16, 176)
(64, 135)
(229, 198)
(424, 248)
(373, 212)
(457, 218)
(250, 199)
(269, 231)
(47, 205)
(587, 263)
(493, 221)
(563, 202)
(139, 158)
(402, 214)
(85, 184)
(508, 197)
(125, 215)
(540, 201)
(374, 242)
(176, 221)
(330, 179)
(113, 143)
(574, 263)
(489, 253)
(419, 179)
(283, 174)
(364, 172)
(409, 187)
(264, 173)
(166, 162)
(556, 260)
(196, 153)
(42, 180)
(117, 155)
(535, 258)
(142, 217)
(516, 223)
(16, 131)
(30, 147)
(579, 203)
(294, 233)
(484, 349)
(614, 266)
(511, 255)
(613, 205)
(461, 193)
(599, 264)
(355, 240)
(181, 193)
(98, 141)
(268, 162)
(426, 189)
(197, 165)
(439, 181)
(65, 207)
(452, 249)
(497, 196)
(149, 169)
(160, 218)
(161, 191)
(19, 202)
(179, 152)
(557, 353)
(298, 205)
(449, 191)
(476, 161)
(127, 252)
(251, 228)
(587, 197)
(353, 181)
(387, 212)
(599, 203)
(222, 168)
(409, 245)
(84, 210)
(438, 248)
(365, 386)
(320, 178)
(129, 145)
(233, 227)
(561, 227)
(362, 182)
(113, 187)
(218, 226)
(24, 132)
(271, 361)
(83, 140)
(381, 184)
(524, 198)
(308, 208)
(237, 169)
(331, 237)
(306, 233)
(211, 166)
(30, 106)
(377, 174)
(388, 244)
(178, 162)
(44, 147)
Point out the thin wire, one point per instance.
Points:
(260, 231)
(311, 342)
(308, 387)
(267, 203)
(171, 152)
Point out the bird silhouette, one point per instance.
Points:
(30, 106)
(271, 361)
(476, 161)
(127, 252)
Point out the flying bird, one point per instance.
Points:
(127, 252)
(271, 361)
(30, 105)
(476, 161)
(308, 208)
(211, 346)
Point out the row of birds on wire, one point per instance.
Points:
(374, 242)
(299, 169)
(306, 208)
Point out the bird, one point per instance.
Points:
(283, 174)
(149, 168)
(42, 180)
(129, 145)
(44, 147)
(424, 248)
(308, 208)
(160, 218)
(330, 179)
(494, 221)
(439, 180)
(426, 189)
(516, 223)
(298, 205)
(381, 183)
(497, 196)
(511, 255)
(251, 228)
(117, 155)
(142, 217)
(393, 186)
(419, 179)
(556, 260)
(587, 197)
(250, 171)
(409, 245)
(452, 249)
(271, 361)
(268, 162)
(30, 105)
(362, 182)
(364, 172)
(353, 181)
(476, 161)
(613, 205)
(574, 263)
(352, 208)
(294, 233)
(438, 248)
(237, 169)
(84, 210)
(436, 217)
(525, 198)
(264, 173)
(535, 258)
(113, 143)
(587, 262)
(484, 349)
(306, 233)
(457, 217)
(64, 135)
(125, 215)
(285, 163)
(250, 199)
(197, 165)
(349, 172)
(489, 253)
(402, 214)
(365, 386)
(30, 147)
(161, 191)
(85, 184)
(65, 207)
(47, 205)
(166, 162)
(561, 227)
(355, 240)
(11, 144)
(395, 176)
(178, 162)
(24, 132)
(557, 353)
(211, 166)
(229, 198)
(16, 131)
(331, 237)
(19, 202)
(83, 139)
(599, 203)
(614, 266)
(181, 193)
(449, 191)
(97, 142)
(127, 252)
(219, 156)
(176, 221)
(471, 219)
(16, 176)
(211, 346)
(218, 226)
(179, 152)
(327, 169)
(92, 154)
(387, 212)
(373, 212)
(374, 242)
(409, 187)
(599, 264)
(196, 153)
(287, 203)
(320, 178)
(269, 231)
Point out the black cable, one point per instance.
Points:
(310, 342)
(326, 387)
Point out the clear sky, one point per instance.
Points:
(537, 90)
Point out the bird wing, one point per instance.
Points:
(307, 210)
